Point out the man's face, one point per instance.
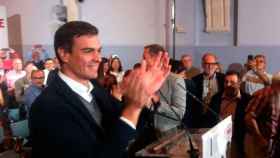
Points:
(49, 65)
(38, 78)
(35, 56)
(3, 54)
(209, 65)
(231, 80)
(149, 57)
(82, 63)
(231, 85)
(187, 62)
(260, 63)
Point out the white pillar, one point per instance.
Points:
(3, 28)
(72, 10)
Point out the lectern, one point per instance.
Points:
(177, 143)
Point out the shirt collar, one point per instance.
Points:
(80, 89)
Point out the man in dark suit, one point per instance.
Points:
(231, 101)
(74, 117)
(208, 83)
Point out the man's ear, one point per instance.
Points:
(63, 55)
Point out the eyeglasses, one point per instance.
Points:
(210, 64)
(38, 78)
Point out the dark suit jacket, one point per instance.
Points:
(61, 126)
(51, 76)
(198, 119)
(190, 113)
(238, 122)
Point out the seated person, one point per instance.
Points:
(35, 89)
(24, 82)
(14, 74)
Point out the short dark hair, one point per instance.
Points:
(136, 66)
(48, 59)
(36, 71)
(232, 72)
(154, 48)
(64, 36)
(127, 72)
(250, 57)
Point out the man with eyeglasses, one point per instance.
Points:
(257, 78)
(208, 83)
(35, 89)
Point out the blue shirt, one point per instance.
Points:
(31, 93)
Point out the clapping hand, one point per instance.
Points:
(143, 83)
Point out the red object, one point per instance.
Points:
(8, 64)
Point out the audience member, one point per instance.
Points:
(225, 102)
(262, 121)
(49, 65)
(7, 55)
(116, 68)
(257, 78)
(103, 70)
(37, 61)
(231, 101)
(15, 74)
(187, 63)
(24, 82)
(220, 68)
(249, 65)
(34, 90)
(208, 83)
(43, 54)
(172, 93)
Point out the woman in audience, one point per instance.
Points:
(103, 70)
(116, 68)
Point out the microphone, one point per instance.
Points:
(201, 102)
(193, 152)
